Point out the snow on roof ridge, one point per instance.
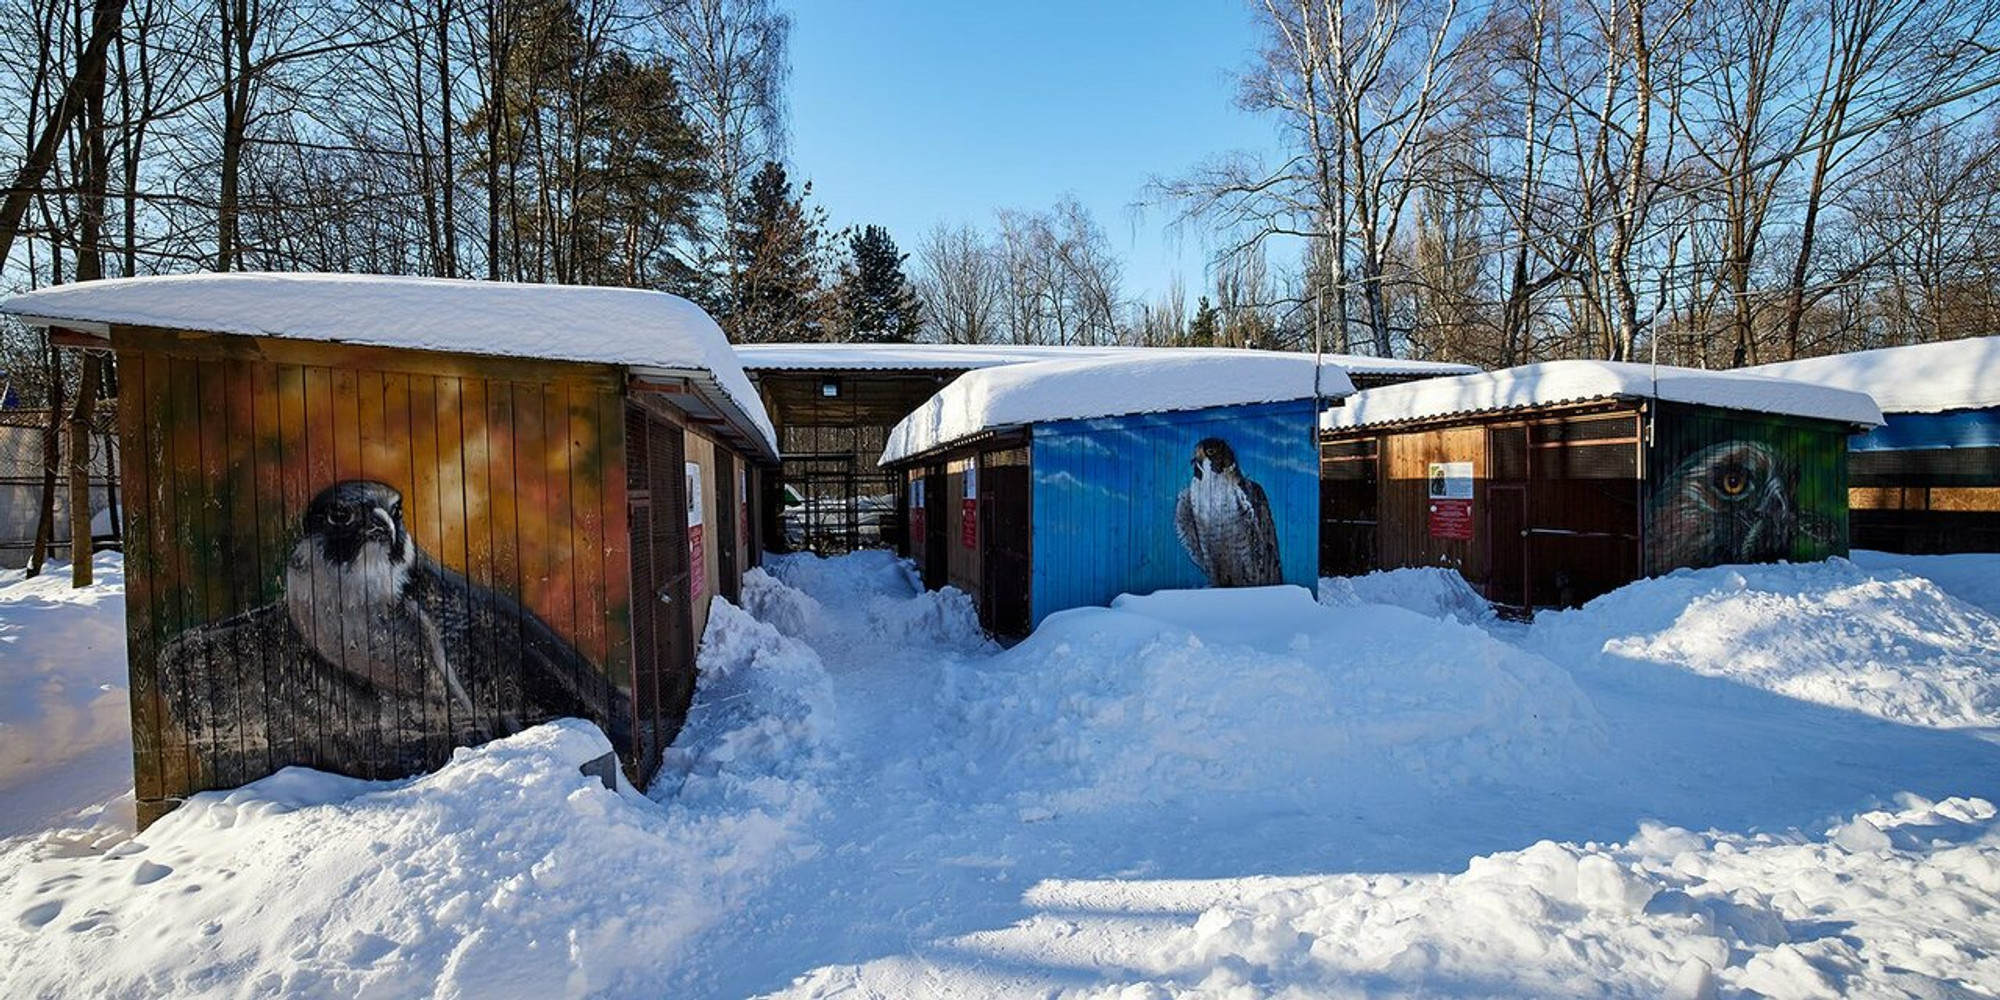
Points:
(1555, 382)
(1914, 378)
(582, 323)
(890, 357)
(1161, 380)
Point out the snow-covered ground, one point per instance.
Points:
(1744, 781)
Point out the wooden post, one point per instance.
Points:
(45, 517)
(79, 472)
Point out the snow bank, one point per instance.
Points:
(1880, 642)
(1159, 381)
(620, 326)
(1919, 378)
(1261, 691)
(1972, 577)
(1579, 381)
(62, 672)
(506, 873)
(1905, 911)
(1426, 590)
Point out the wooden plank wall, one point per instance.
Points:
(509, 474)
(962, 564)
(1402, 531)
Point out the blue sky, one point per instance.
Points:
(905, 112)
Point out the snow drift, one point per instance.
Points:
(1669, 913)
(1427, 590)
(507, 872)
(62, 671)
(1262, 691)
(1881, 642)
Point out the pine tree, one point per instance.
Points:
(877, 303)
(780, 249)
(1203, 330)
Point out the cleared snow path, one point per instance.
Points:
(1157, 799)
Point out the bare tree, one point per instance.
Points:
(961, 282)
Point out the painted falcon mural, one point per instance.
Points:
(1224, 521)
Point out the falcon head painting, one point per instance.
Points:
(375, 658)
(1224, 520)
(1735, 502)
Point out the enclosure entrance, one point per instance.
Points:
(662, 632)
(830, 496)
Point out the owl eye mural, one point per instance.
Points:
(1733, 502)
(1224, 521)
(370, 630)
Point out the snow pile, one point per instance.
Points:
(1427, 590)
(1578, 381)
(508, 872)
(620, 326)
(787, 609)
(1909, 911)
(1919, 378)
(1874, 641)
(1262, 691)
(62, 672)
(1159, 381)
(945, 618)
(1972, 577)
(839, 581)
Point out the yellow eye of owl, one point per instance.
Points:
(1733, 483)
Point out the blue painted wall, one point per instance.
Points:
(1105, 491)
(1919, 431)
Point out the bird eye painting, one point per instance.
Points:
(1740, 491)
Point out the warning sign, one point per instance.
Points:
(968, 517)
(1451, 519)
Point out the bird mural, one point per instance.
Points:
(375, 658)
(1224, 521)
(1734, 502)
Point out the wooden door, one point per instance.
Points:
(1005, 537)
(726, 519)
(1506, 529)
(662, 625)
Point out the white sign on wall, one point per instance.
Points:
(1451, 481)
(971, 481)
(694, 494)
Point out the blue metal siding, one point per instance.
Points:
(1922, 431)
(1105, 491)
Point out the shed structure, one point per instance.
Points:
(834, 406)
(371, 519)
(1928, 479)
(1550, 484)
(1051, 485)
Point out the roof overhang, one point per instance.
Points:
(699, 395)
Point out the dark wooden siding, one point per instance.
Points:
(1006, 540)
(1348, 497)
(501, 469)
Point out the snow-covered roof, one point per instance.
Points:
(1557, 382)
(1920, 378)
(651, 332)
(1155, 381)
(969, 357)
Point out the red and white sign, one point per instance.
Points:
(917, 515)
(968, 509)
(697, 562)
(1451, 519)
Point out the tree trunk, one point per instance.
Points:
(89, 66)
